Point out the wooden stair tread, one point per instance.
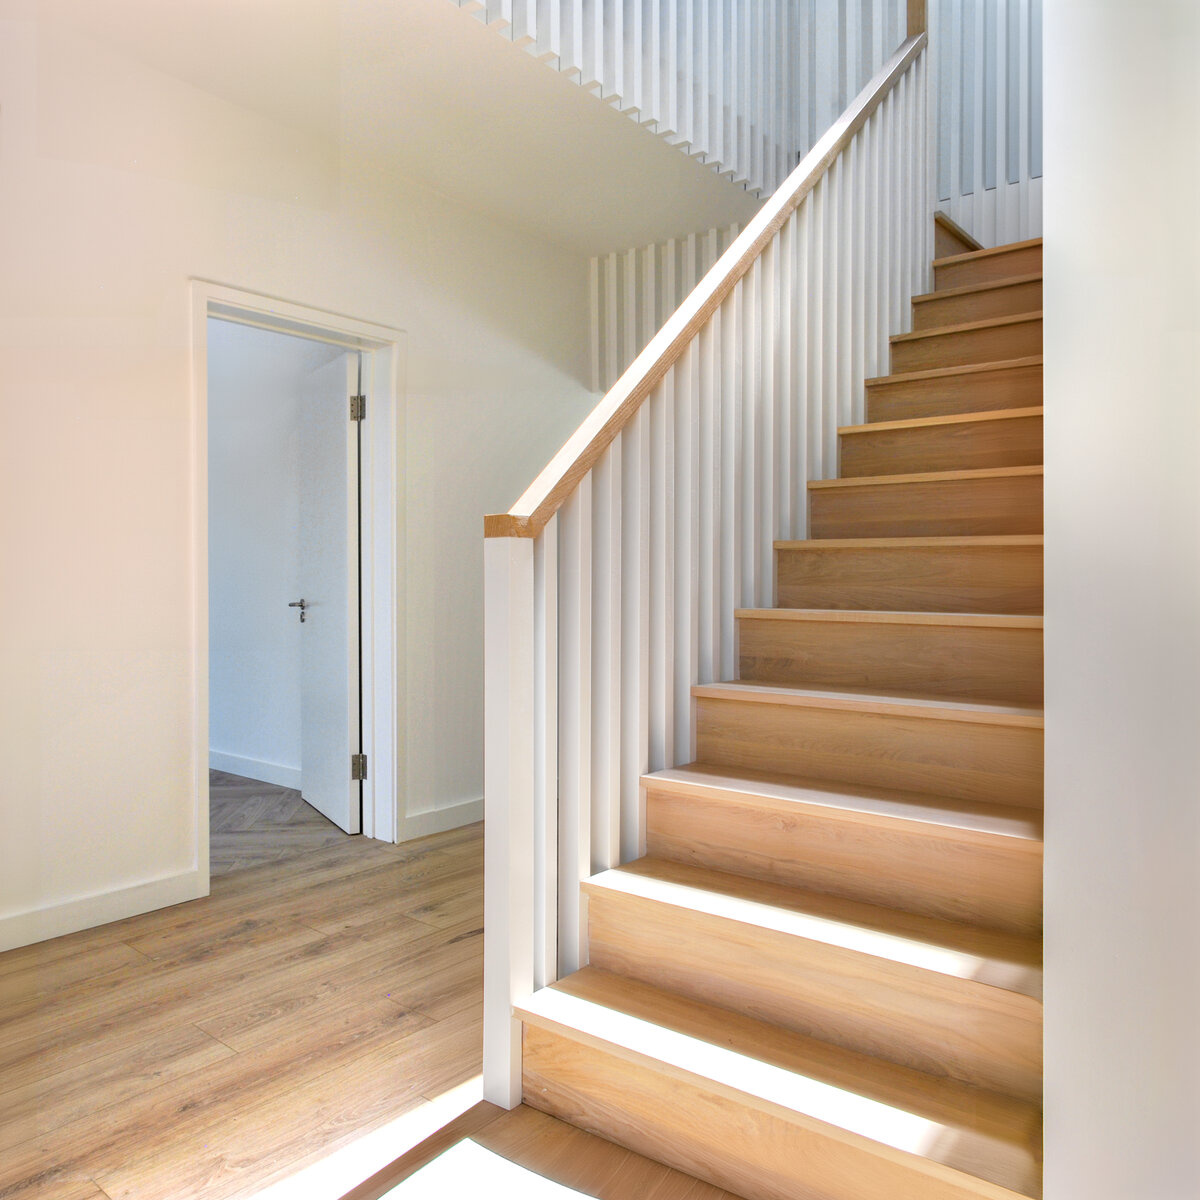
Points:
(918, 335)
(786, 792)
(983, 1133)
(1004, 364)
(1008, 962)
(925, 477)
(971, 418)
(987, 252)
(899, 543)
(894, 703)
(860, 616)
(968, 289)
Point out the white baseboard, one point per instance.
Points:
(417, 825)
(255, 768)
(86, 912)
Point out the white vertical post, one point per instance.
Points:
(545, 791)
(509, 757)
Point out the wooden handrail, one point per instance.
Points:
(559, 479)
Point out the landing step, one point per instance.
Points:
(958, 441)
(946, 858)
(762, 1111)
(991, 657)
(988, 574)
(980, 341)
(937, 996)
(984, 753)
(973, 387)
(994, 500)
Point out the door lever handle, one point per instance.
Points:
(301, 605)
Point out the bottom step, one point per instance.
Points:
(766, 1113)
(526, 1155)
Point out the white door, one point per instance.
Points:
(329, 703)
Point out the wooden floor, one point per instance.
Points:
(212, 1048)
(251, 823)
(549, 1148)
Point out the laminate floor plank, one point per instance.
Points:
(214, 1047)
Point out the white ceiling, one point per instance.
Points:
(434, 96)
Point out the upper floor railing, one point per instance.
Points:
(611, 586)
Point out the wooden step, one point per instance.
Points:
(984, 266)
(992, 340)
(977, 387)
(993, 501)
(936, 996)
(950, 238)
(978, 302)
(966, 656)
(768, 1114)
(941, 574)
(976, 863)
(964, 441)
(990, 754)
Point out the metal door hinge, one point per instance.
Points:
(358, 767)
(358, 408)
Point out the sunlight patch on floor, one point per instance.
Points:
(332, 1177)
(467, 1169)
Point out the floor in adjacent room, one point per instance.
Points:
(212, 1048)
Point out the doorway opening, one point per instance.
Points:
(296, 436)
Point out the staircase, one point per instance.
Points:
(824, 978)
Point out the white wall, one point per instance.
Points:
(1122, 314)
(254, 380)
(117, 183)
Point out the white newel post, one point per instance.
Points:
(508, 866)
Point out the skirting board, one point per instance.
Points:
(255, 768)
(70, 916)
(418, 825)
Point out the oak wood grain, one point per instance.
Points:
(889, 746)
(1005, 500)
(979, 864)
(228, 1043)
(976, 387)
(868, 979)
(982, 266)
(990, 574)
(997, 339)
(963, 656)
(977, 302)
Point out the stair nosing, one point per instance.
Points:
(850, 934)
(949, 541)
(987, 252)
(968, 418)
(917, 335)
(745, 1079)
(998, 364)
(987, 285)
(1026, 716)
(886, 616)
(882, 806)
(961, 476)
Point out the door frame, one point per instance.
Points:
(382, 533)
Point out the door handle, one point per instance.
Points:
(301, 605)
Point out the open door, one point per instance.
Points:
(330, 706)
